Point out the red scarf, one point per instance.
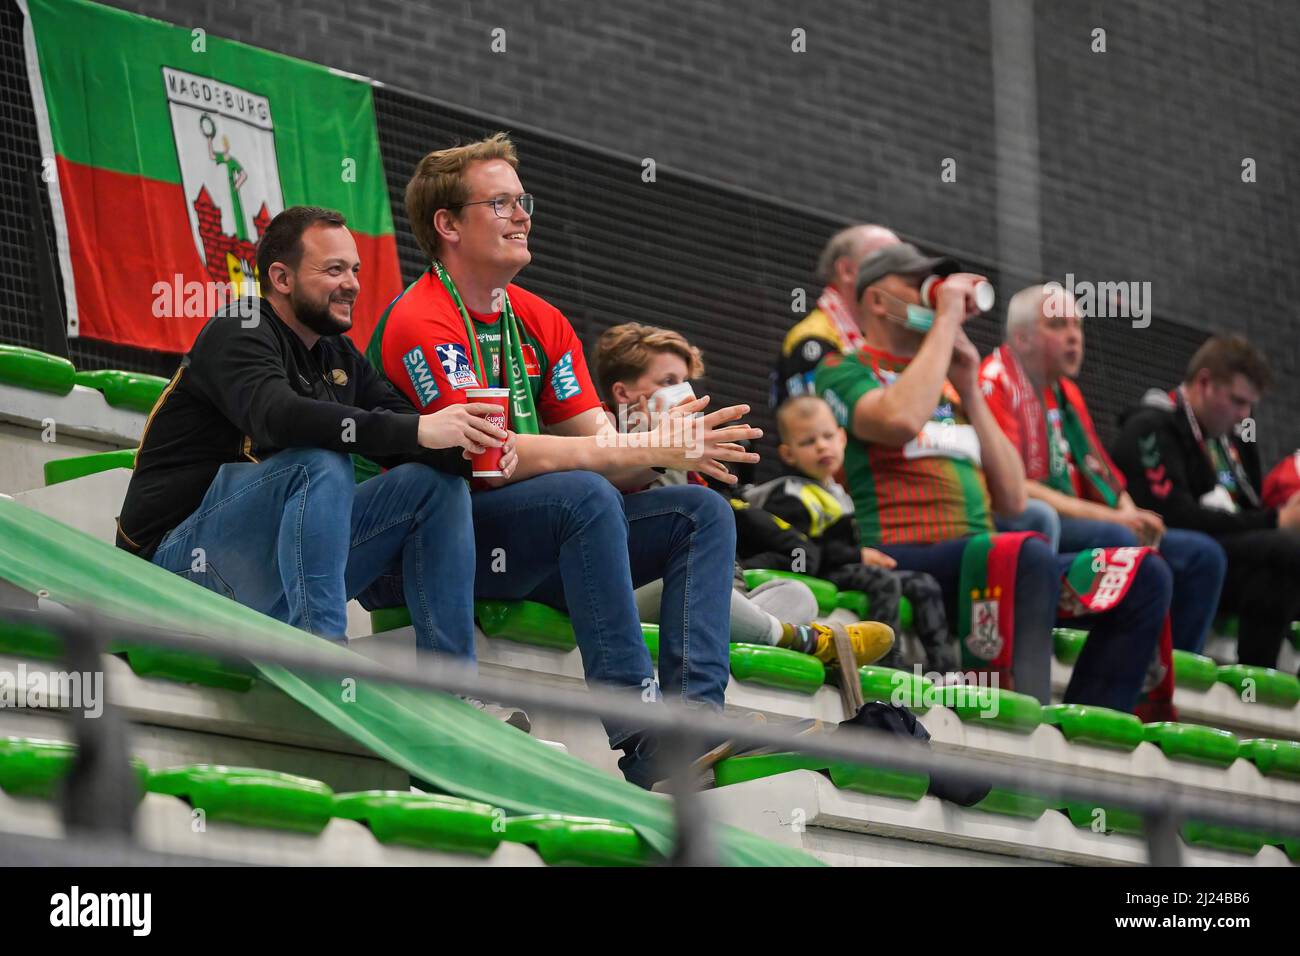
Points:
(843, 319)
(1029, 410)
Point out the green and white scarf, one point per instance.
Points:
(523, 410)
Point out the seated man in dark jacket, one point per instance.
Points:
(1182, 459)
(243, 481)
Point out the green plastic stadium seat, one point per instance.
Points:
(29, 368)
(1095, 725)
(255, 798)
(188, 668)
(424, 820)
(1224, 838)
(857, 604)
(526, 622)
(1274, 758)
(389, 619)
(880, 782)
(130, 390)
(34, 768)
(862, 779)
(735, 770)
(1009, 803)
(23, 640)
(777, 667)
(1111, 820)
(999, 708)
(882, 683)
(650, 634)
(1195, 671)
(1193, 742)
(563, 840)
(79, 466)
(1067, 644)
(825, 592)
(1269, 686)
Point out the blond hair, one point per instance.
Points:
(802, 407)
(624, 352)
(439, 183)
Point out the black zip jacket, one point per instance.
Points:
(242, 394)
(1167, 471)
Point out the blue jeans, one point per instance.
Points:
(1038, 516)
(1121, 642)
(1197, 561)
(571, 540)
(295, 537)
(1038, 587)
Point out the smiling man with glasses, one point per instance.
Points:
(558, 530)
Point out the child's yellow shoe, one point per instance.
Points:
(870, 640)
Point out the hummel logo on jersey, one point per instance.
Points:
(563, 381)
(455, 363)
(417, 368)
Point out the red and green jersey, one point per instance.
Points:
(170, 152)
(422, 346)
(932, 488)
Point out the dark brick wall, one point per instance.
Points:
(1140, 147)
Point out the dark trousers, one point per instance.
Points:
(1263, 589)
(1121, 642)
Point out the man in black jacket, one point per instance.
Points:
(1182, 459)
(243, 481)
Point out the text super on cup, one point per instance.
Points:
(487, 463)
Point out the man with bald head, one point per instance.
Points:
(833, 326)
(1028, 382)
(928, 469)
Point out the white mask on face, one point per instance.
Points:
(670, 395)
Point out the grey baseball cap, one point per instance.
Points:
(902, 258)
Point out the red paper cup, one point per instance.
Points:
(488, 463)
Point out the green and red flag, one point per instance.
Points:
(173, 150)
(1096, 582)
(986, 623)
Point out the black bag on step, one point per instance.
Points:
(895, 719)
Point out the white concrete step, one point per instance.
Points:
(803, 809)
(1045, 746)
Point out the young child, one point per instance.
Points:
(817, 508)
(634, 363)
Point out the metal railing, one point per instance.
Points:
(99, 795)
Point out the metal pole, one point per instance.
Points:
(694, 844)
(100, 791)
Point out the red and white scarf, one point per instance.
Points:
(842, 317)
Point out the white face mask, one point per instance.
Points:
(670, 395)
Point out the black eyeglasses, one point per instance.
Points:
(504, 206)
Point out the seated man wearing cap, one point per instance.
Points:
(832, 326)
(1028, 381)
(927, 467)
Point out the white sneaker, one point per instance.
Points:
(513, 716)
